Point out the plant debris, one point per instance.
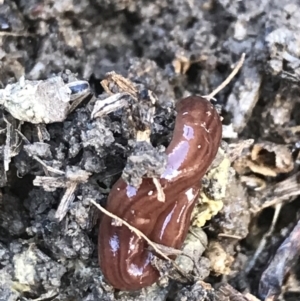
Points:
(87, 94)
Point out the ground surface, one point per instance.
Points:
(174, 49)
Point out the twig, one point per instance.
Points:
(15, 34)
(134, 230)
(110, 104)
(49, 168)
(65, 202)
(282, 192)
(123, 84)
(50, 183)
(227, 292)
(160, 193)
(42, 133)
(7, 147)
(156, 247)
(263, 241)
(228, 79)
(11, 147)
(225, 235)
